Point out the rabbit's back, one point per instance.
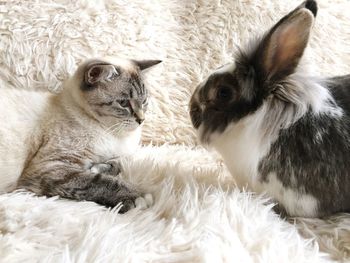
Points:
(312, 156)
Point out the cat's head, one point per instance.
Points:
(237, 90)
(112, 91)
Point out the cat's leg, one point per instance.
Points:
(81, 184)
(113, 167)
(103, 189)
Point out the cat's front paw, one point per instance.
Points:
(144, 201)
(115, 166)
(111, 167)
(140, 202)
(98, 168)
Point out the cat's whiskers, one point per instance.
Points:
(111, 127)
(117, 129)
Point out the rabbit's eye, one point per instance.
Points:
(224, 93)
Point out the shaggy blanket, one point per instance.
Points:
(198, 214)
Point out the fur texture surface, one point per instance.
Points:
(193, 218)
(197, 217)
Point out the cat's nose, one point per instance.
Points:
(139, 116)
(139, 120)
(139, 113)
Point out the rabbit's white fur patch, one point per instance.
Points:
(243, 145)
(295, 202)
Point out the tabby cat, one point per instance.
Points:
(82, 132)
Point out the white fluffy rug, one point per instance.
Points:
(193, 219)
(198, 215)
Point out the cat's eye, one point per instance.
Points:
(124, 103)
(145, 101)
(224, 93)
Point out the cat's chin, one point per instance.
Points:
(128, 129)
(133, 128)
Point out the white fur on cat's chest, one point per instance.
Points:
(108, 146)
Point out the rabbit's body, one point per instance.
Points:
(307, 168)
(279, 130)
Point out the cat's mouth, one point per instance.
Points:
(130, 125)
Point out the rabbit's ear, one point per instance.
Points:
(281, 49)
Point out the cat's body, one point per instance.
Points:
(279, 130)
(19, 117)
(68, 139)
(77, 136)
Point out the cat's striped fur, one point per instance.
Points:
(83, 130)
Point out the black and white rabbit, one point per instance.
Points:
(280, 131)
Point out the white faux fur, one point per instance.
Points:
(198, 215)
(193, 219)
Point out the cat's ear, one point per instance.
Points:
(99, 72)
(281, 49)
(144, 64)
